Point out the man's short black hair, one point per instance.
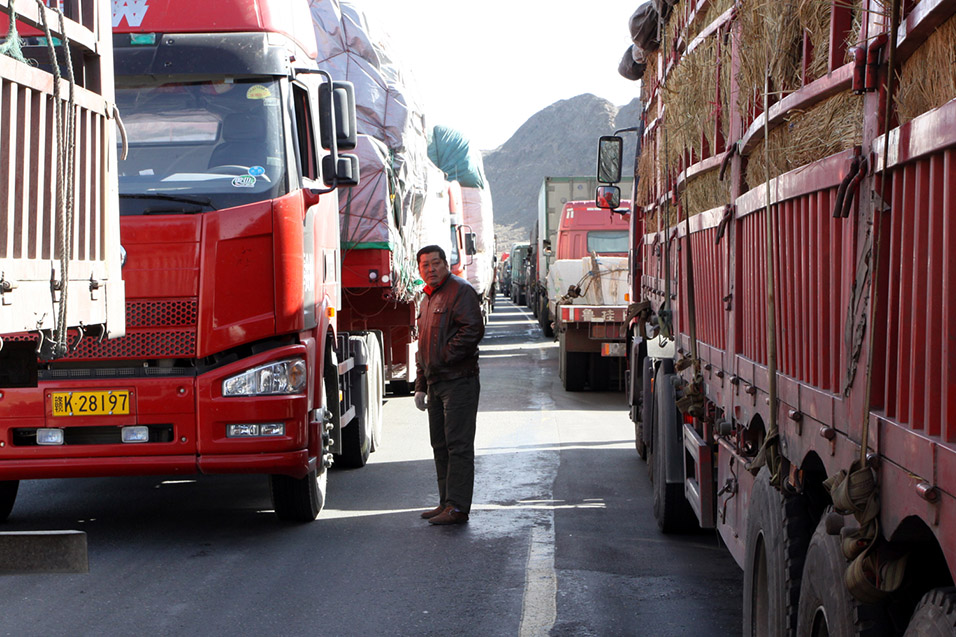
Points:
(429, 250)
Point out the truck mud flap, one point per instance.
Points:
(699, 471)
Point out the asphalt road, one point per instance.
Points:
(561, 540)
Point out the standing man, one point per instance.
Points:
(450, 326)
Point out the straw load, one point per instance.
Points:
(927, 79)
(383, 211)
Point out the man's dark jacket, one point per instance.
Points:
(450, 326)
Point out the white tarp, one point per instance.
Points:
(365, 212)
(479, 217)
(603, 281)
(385, 107)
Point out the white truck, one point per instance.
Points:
(60, 253)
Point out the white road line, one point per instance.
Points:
(539, 604)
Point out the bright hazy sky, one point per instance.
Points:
(485, 66)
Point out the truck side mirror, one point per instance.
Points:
(607, 197)
(345, 172)
(471, 244)
(341, 95)
(610, 152)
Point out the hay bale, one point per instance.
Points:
(714, 11)
(647, 176)
(770, 44)
(927, 80)
(829, 127)
(705, 192)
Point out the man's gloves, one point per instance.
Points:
(420, 400)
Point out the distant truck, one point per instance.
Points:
(504, 274)
(518, 272)
(554, 194)
(588, 295)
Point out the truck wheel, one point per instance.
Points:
(575, 366)
(356, 435)
(826, 606)
(935, 615)
(599, 372)
(376, 399)
(778, 532)
(647, 408)
(544, 318)
(301, 499)
(8, 495)
(671, 509)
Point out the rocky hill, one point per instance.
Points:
(559, 141)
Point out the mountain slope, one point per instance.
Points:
(558, 141)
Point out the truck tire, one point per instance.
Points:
(356, 435)
(544, 317)
(599, 372)
(671, 509)
(575, 367)
(8, 495)
(302, 499)
(778, 532)
(377, 399)
(826, 606)
(935, 615)
(645, 427)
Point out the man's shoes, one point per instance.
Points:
(450, 515)
(427, 515)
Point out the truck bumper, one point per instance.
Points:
(186, 416)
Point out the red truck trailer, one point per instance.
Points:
(232, 361)
(793, 242)
(587, 289)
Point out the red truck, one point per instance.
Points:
(587, 289)
(232, 360)
(790, 348)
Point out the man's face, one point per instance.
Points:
(432, 268)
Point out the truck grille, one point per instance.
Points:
(154, 329)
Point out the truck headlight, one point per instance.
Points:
(274, 379)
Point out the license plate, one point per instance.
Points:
(91, 403)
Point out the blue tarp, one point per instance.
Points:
(452, 153)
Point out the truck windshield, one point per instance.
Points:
(196, 146)
(608, 241)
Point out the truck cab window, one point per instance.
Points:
(305, 133)
(199, 146)
(608, 242)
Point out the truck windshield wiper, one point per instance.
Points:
(177, 211)
(202, 201)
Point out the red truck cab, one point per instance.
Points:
(229, 224)
(586, 229)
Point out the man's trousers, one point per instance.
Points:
(452, 412)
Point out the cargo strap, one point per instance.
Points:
(872, 574)
(874, 570)
(769, 455)
(724, 222)
(65, 132)
(642, 313)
